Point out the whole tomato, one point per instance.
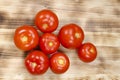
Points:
(49, 43)
(87, 52)
(26, 37)
(71, 36)
(59, 63)
(37, 62)
(46, 21)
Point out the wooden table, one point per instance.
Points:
(100, 19)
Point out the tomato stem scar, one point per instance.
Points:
(77, 35)
(45, 26)
(34, 64)
(91, 50)
(24, 38)
(61, 61)
(50, 44)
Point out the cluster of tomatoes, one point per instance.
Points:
(70, 36)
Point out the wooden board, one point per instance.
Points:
(100, 19)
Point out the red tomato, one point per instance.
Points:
(87, 52)
(26, 37)
(71, 36)
(46, 21)
(59, 63)
(49, 43)
(37, 62)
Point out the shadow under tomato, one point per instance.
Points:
(27, 52)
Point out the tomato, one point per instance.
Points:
(49, 43)
(59, 63)
(46, 21)
(26, 37)
(87, 52)
(71, 36)
(37, 62)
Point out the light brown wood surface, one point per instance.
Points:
(100, 20)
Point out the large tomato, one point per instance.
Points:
(37, 62)
(71, 36)
(26, 37)
(46, 21)
(59, 62)
(49, 43)
(87, 52)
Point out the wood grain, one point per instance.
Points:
(99, 19)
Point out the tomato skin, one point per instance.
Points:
(49, 43)
(26, 37)
(47, 21)
(37, 62)
(87, 52)
(71, 36)
(59, 63)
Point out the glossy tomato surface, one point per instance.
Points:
(49, 43)
(37, 62)
(71, 36)
(87, 52)
(46, 21)
(26, 37)
(59, 63)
